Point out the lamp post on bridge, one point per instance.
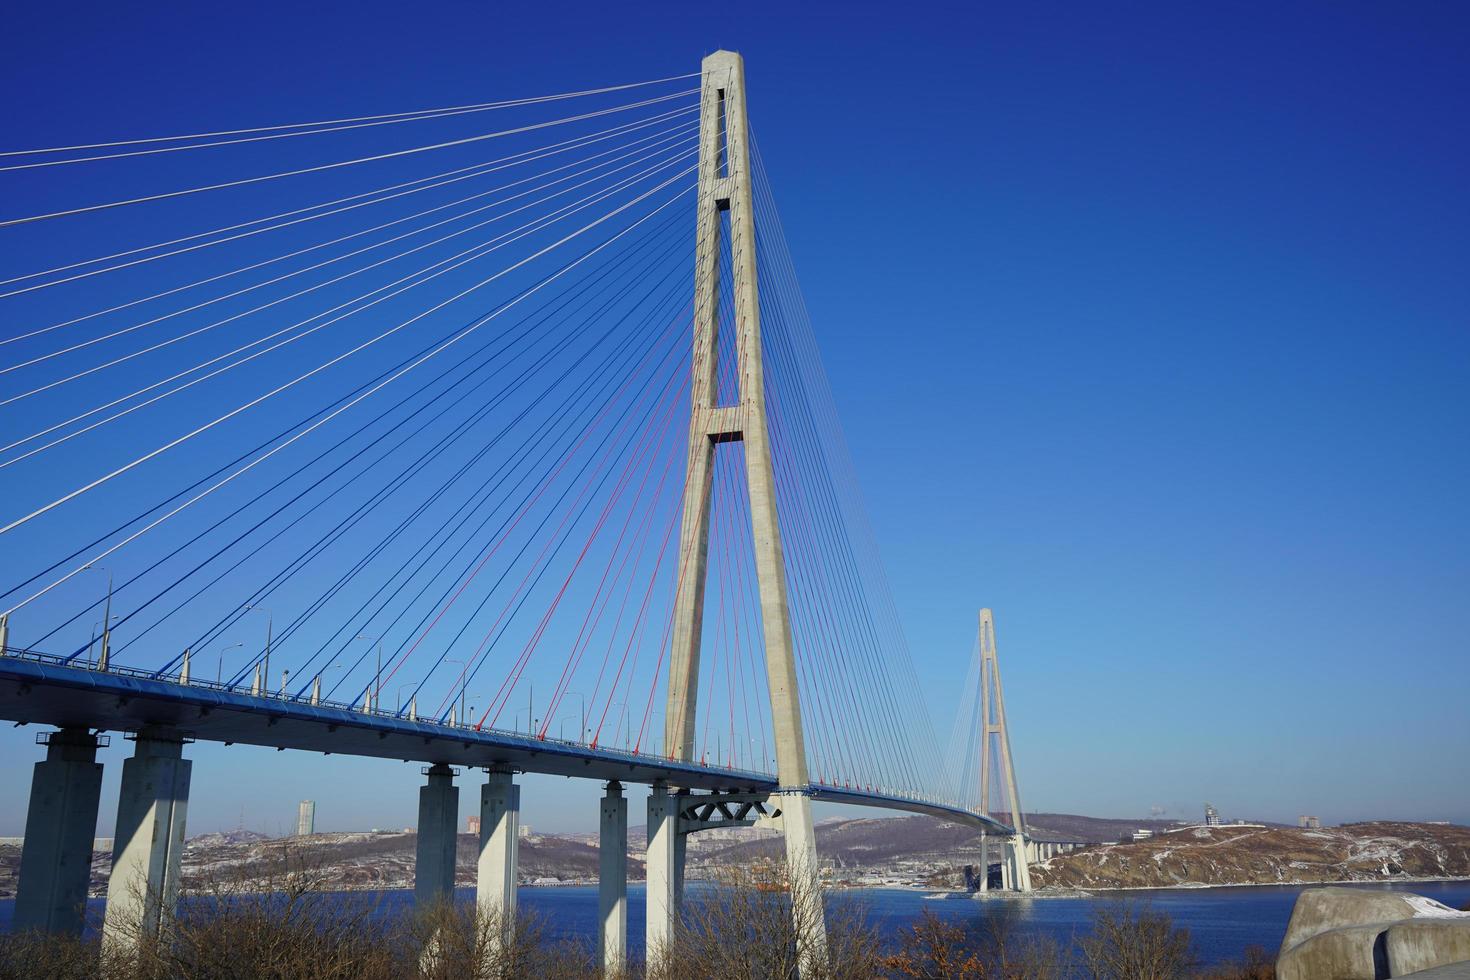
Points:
(106, 617)
(464, 682)
(378, 672)
(219, 669)
(583, 736)
(270, 619)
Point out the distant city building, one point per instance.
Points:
(1309, 821)
(1212, 816)
(1140, 834)
(306, 818)
(472, 825)
(525, 831)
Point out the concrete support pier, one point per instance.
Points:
(152, 804)
(612, 882)
(500, 826)
(56, 862)
(804, 870)
(433, 876)
(662, 870)
(1020, 866)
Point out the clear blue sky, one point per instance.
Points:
(1149, 326)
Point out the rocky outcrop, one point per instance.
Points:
(1351, 934)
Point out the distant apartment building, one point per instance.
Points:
(1308, 821)
(472, 825)
(1212, 816)
(306, 818)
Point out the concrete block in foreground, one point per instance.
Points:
(1351, 934)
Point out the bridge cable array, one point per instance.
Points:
(411, 438)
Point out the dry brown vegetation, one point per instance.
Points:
(736, 931)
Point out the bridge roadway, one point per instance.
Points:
(40, 689)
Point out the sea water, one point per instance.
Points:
(1221, 921)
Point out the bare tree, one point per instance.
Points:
(1132, 942)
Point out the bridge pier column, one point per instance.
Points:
(804, 870)
(152, 804)
(500, 826)
(1021, 875)
(663, 870)
(433, 872)
(61, 823)
(612, 882)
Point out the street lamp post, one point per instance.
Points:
(378, 673)
(106, 617)
(619, 723)
(270, 619)
(464, 682)
(219, 670)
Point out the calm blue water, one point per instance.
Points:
(1223, 921)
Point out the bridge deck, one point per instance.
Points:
(36, 689)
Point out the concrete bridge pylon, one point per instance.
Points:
(995, 753)
(725, 185)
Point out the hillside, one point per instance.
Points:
(1270, 856)
(912, 851)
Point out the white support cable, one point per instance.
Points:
(311, 248)
(451, 176)
(633, 273)
(803, 345)
(473, 253)
(439, 114)
(406, 116)
(338, 411)
(277, 583)
(244, 181)
(806, 353)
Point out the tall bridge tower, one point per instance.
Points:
(725, 187)
(995, 753)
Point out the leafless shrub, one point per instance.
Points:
(745, 926)
(1258, 964)
(935, 949)
(1130, 942)
(452, 941)
(35, 954)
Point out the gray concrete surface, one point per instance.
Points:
(56, 863)
(1354, 934)
(149, 844)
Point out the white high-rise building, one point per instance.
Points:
(306, 818)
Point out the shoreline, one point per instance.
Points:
(1046, 891)
(1196, 886)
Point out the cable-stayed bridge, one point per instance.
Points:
(405, 435)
